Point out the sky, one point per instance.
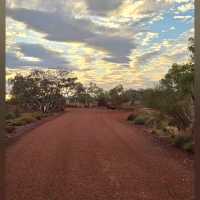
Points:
(129, 42)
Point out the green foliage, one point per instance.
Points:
(189, 146)
(174, 95)
(157, 121)
(10, 115)
(169, 103)
(131, 117)
(40, 91)
(25, 118)
(47, 91)
(191, 48)
(131, 96)
(180, 79)
(183, 141)
(172, 131)
(173, 98)
(116, 96)
(22, 120)
(102, 98)
(140, 120)
(79, 94)
(37, 115)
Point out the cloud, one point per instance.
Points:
(102, 7)
(139, 11)
(72, 30)
(147, 57)
(119, 47)
(62, 6)
(49, 23)
(183, 17)
(35, 55)
(146, 37)
(172, 28)
(185, 7)
(105, 41)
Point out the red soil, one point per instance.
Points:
(89, 154)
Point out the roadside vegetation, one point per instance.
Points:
(167, 109)
(172, 105)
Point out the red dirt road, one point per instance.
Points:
(94, 155)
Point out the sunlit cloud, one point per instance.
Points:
(185, 7)
(183, 17)
(107, 42)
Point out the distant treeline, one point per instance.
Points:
(47, 91)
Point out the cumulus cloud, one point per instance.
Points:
(147, 57)
(185, 7)
(72, 30)
(55, 26)
(103, 7)
(107, 42)
(35, 55)
(183, 17)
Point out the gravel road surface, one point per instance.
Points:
(91, 154)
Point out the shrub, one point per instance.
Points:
(10, 115)
(171, 130)
(150, 118)
(140, 120)
(23, 120)
(16, 122)
(10, 129)
(37, 115)
(151, 122)
(189, 147)
(131, 117)
(28, 119)
(181, 140)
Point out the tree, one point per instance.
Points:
(180, 79)
(95, 93)
(116, 95)
(79, 95)
(39, 90)
(132, 96)
(102, 98)
(191, 48)
(175, 93)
